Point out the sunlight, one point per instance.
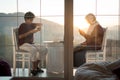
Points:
(80, 23)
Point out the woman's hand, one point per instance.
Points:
(81, 32)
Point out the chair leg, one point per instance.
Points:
(29, 67)
(23, 62)
(14, 65)
(14, 68)
(23, 65)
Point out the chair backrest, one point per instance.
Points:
(99, 55)
(104, 39)
(15, 38)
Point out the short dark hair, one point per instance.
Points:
(29, 15)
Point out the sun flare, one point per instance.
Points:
(83, 25)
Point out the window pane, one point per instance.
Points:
(82, 7)
(51, 30)
(112, 22)
(108, 7)
(8, 6)
(108, 21)
(29, 5)
(52, 7)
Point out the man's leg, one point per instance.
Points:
(38, 62)
(33, 51)
(34, 65)
(39, 66)
(42, 51)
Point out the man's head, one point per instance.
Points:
(29, 16)
(90, 18)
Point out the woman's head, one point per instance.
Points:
(90, 18)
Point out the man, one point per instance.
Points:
(26, 37)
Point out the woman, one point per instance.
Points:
(93, 36)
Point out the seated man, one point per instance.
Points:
(25, 41)
(94, 38)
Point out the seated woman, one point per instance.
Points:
(94, 37)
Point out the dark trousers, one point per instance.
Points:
(79, 55)
(79, 58)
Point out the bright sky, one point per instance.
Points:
(56, 8)
(48, 7)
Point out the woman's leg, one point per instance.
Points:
(79, 55)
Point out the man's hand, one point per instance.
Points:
(38, 26)
(35, 30)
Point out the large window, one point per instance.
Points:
(51, 14)
(48, 12)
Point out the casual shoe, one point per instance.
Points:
(39, 70)
(34, 72)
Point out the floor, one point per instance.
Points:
(20, 73)
(24, 73)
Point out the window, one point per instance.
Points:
(51, 14)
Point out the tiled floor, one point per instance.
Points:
(21, 73)
(5, 78)
(24, 73)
